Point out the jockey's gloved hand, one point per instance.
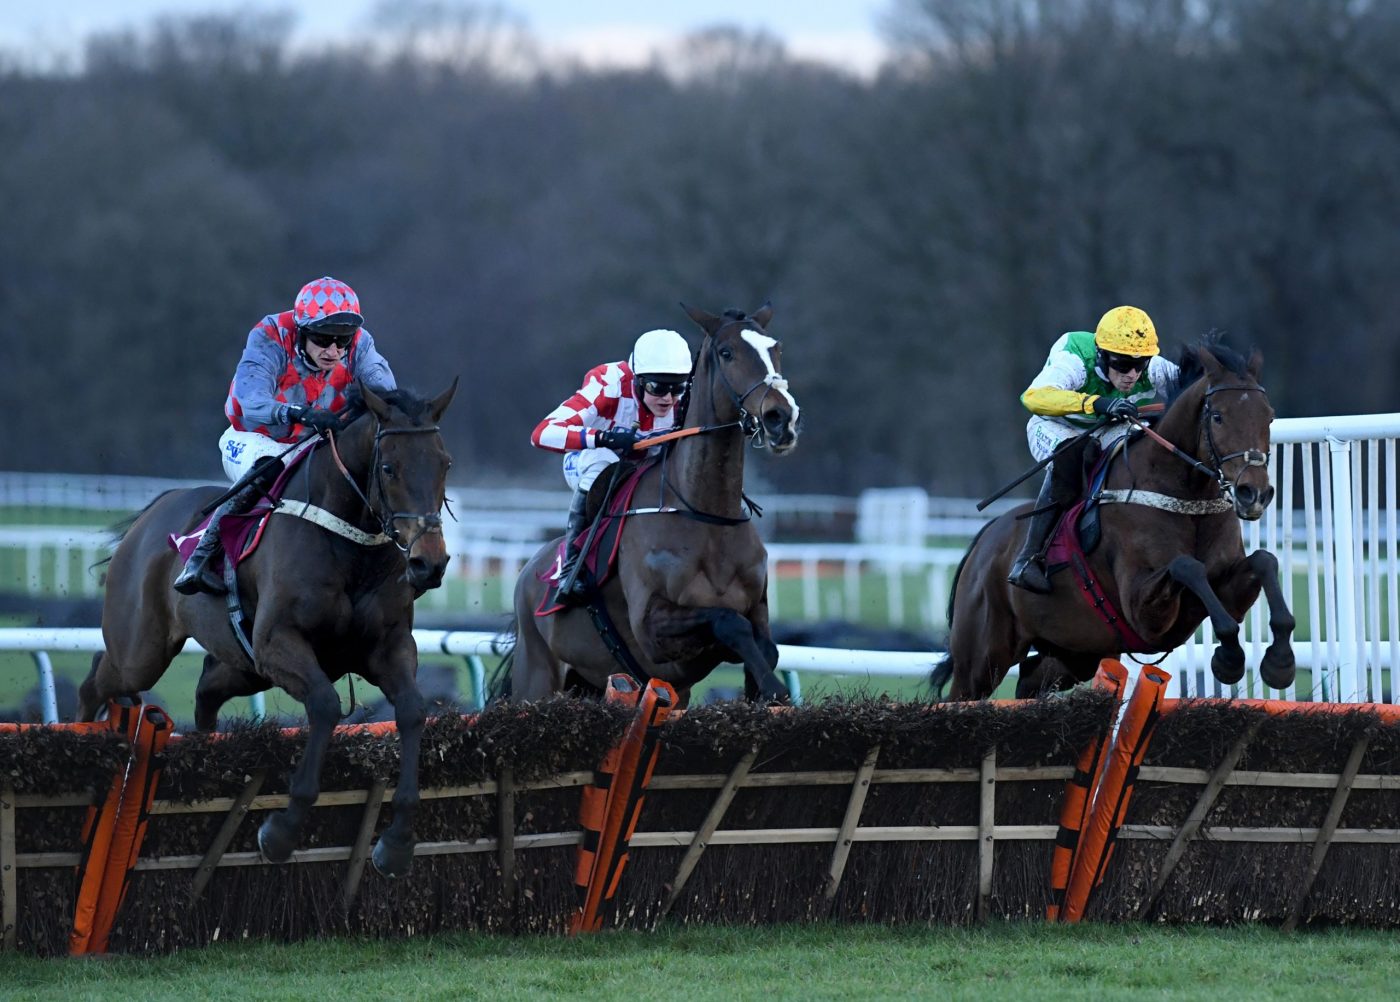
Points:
(317, 418)
(617, 439)
(1115, 407)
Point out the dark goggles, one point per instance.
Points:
(665, 387)
(1126, 363)
(321, 339)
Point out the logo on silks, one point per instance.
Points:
(570, 463)
(235, 449)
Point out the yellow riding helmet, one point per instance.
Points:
(1127, 330)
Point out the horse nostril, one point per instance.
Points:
(1247, 495)
(1268, 497)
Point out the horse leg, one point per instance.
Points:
(278, 835)
(393, 853)
(1227, 663)
(107, 680)
(1240, 589)
(666, 621)
(218, 683)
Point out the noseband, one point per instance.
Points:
(750, 422)
(1248, 457)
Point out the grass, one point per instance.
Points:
(1000, 961)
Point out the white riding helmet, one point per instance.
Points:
(660, 352)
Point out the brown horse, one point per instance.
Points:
(323, 603)
(1170, 556)
(691, 585)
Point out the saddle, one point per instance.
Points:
(241, 534)
(609, 505)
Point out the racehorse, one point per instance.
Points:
(323, 602)
(691, 584)
(1171, 554)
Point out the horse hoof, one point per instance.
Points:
(1228, 667)
(273, 843)
(1278, 668)
(392, 861)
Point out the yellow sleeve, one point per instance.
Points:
(1051, 401)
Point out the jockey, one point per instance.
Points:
(1090, 382)
(619, 403)
(291, 380)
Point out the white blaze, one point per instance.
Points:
(764, 345)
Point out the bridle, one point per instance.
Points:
(426, 522)
(1216, 471)
(1248, 457)
(749, 422)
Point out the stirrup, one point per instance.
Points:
(1031, 575)
(199, 577)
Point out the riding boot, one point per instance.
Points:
(1028, 571)
(198, 575)
(578, 521)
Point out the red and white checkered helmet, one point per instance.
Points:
(327, 301)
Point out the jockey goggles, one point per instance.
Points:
(664, 387)
(1126, 363)
(323, 340)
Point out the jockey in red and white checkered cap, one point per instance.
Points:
(618, 404)
(292, 379)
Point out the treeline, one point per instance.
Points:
(1016, 168)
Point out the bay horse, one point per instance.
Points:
(691, 584)
(322, 603)
(1171, 555)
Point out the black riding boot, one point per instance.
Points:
(198, 575)
(578, 521)
(1028, 571)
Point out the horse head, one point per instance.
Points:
(1232, 424)
(406, 478)
(742, 366)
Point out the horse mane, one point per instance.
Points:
(1191, 369)
(406, 401)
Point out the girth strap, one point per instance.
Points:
(1165, 502)
(333, 523)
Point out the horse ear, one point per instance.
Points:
(1213, 369)
(374, 402)
(763, 314)
(708, 322)
(1255, 365)
(439, 404)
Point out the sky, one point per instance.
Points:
(598, 31)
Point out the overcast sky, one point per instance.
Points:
(841, 31)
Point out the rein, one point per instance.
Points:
(1250, 457)
(750, 424)
(427, 522)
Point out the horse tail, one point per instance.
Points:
(122, 526)
(957, 572)
(498, 686)
(938, 678)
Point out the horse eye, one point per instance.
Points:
(727, 354)
(1217, 417)
(388, 470)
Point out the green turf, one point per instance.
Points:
(837, 962)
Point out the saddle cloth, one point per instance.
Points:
(601, 559)
(1075, 536)
(241, 534)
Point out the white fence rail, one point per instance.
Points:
(1333, 527)
(474, 647)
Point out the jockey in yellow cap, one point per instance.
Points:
(1090, 381)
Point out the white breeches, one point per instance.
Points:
(1046, 433)
(582, 468)
(241, 449)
